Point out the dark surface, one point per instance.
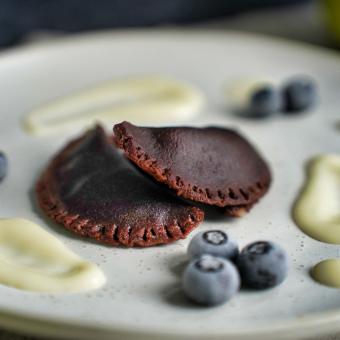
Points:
(94, 191)
(211, 165)
(19, 17)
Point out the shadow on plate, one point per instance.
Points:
(337, 125)
(173, 295)
(215, 214)
(177, 263)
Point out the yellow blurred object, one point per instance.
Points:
(333, 16)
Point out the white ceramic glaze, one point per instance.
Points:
(142, 298)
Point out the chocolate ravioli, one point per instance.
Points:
(212, 165)
(96, 192)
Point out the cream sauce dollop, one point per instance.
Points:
(317, 209)
(327, 272)
(149, 99)
(32, 259)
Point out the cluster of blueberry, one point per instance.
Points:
(217, 268)
(296, 95)
(3, 166)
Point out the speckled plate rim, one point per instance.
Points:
(302, 326)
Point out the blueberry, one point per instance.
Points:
(299, 94)
(262, 265)
(213, 242)
(264, 101)
(210, 280)
(3, 166)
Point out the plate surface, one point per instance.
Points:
(142, 296)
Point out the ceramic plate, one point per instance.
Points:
(142, 297)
